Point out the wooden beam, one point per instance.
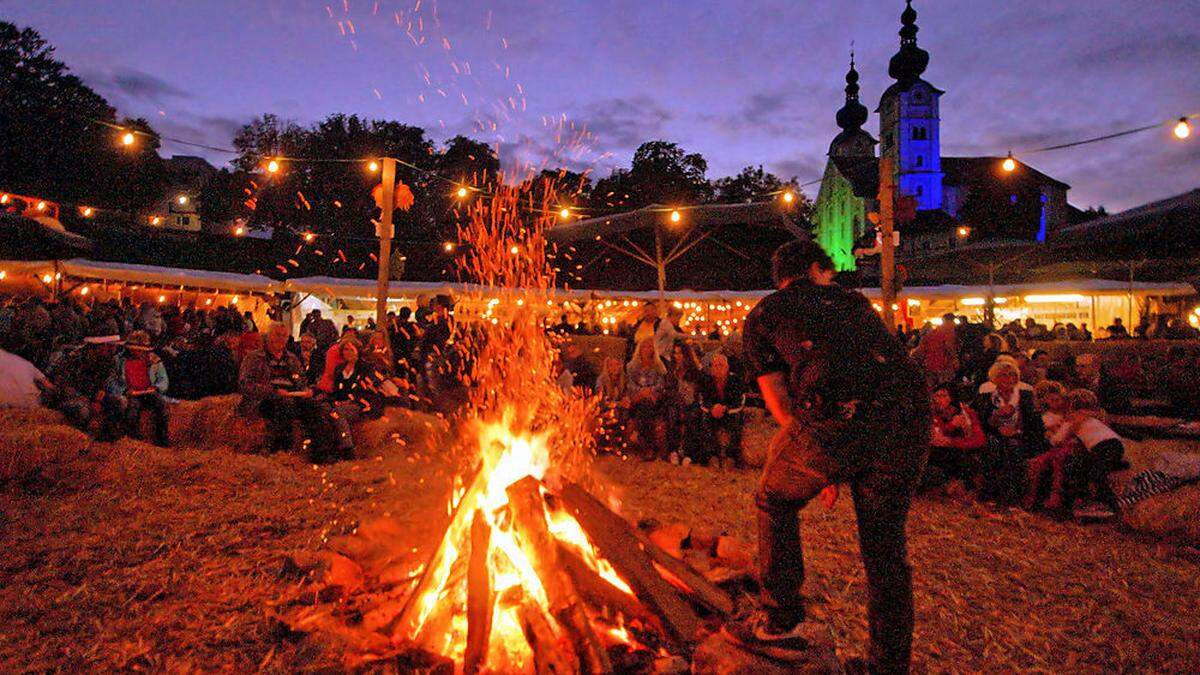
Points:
(528, 509)
(617, 541)
(480, 598)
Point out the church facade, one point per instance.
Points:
(958, 199)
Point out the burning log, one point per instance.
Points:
(479, 595)
(420, 603)
(549, 656)
(617, 541)
(599, 593)
(710, 595)
(528, 509)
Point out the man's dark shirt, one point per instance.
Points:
(832, 346)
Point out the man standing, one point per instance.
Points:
(938, 352)
(854, 409)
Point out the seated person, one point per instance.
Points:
(610, 387)
(583, 375)
(272, 383)
(722, 398)
(312, 360)
(140, 379)
(957, 437)
(645, 391)
(1014, 430)
(683, 396)
(80, 388)
(1103, 451)
(355, 396)
(1052, 399)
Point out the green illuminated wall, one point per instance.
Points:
(840, 218)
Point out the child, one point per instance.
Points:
(1052, 399)
(1103, 453)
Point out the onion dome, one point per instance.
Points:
(854, 114)
(908, 63)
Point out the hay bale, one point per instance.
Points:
(26, 449)
(758, 430)
(1173, 516)
(399, 429)
(214, 422)
(14, 418)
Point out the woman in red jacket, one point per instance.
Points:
(957, 437)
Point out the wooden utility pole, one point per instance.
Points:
(387, 203)
(887, 244)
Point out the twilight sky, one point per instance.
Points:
(741, 81)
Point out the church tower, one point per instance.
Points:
(909, 121)
(852, 141)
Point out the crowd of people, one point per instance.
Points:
(109, 364)
(1011, 425)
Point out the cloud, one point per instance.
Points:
(135, 84)
(622, 123)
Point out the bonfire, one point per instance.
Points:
(536, 571)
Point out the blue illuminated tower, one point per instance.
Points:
(908, 120)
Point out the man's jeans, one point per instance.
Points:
(157, 405)
(881, 454)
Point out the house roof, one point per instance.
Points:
(1183, 209)
(968, 170)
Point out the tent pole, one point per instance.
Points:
(661, 265)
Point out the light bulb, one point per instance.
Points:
(127, 139)
(1183, 129)
(1009, 164)
(461, 192)
(789, 197)
(676, 216)
(272, 166)
(565, 213)
(373, 166)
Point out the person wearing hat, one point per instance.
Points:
(139, 381)
(80, 386)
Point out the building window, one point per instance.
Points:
(920, 160)
(920, 133)
(920, 190)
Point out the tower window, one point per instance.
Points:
(920, 133)
(920, 160)
(920, 190)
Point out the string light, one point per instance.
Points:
(676, 216)
(46, 278)
(3, 199)
(373, 166)
(41, 206)
(461, 192)
(1009, 164)
(273, 166)
(963, 231)
(183, 199)
(1182, 128)
(789, 197)
(565, 213)
(127, 139)
(309, 237)
(448, 247)
(515, 249)
(83, 291)
(162, 298)
(239, 231)
(155, 220)
(86, 211)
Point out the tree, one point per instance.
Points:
(661, 173)
(754, 184)
(58, 136)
